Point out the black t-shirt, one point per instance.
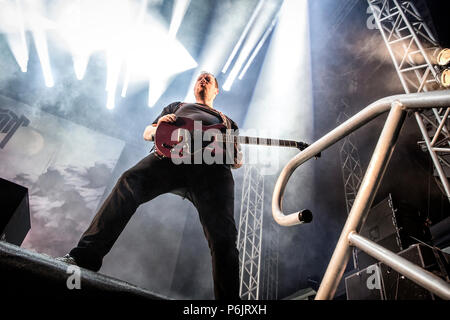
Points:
(197, 112)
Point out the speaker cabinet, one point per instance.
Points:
(380, 226)
(380, 282)
(14, 212)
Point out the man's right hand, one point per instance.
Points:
(150, 131)
(167, 118)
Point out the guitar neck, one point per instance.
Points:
(259, 141)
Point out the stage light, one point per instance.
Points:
(443, 57)
(156, 64)
(14, 27)
(445, 78)
(125, 30)
(16, 18)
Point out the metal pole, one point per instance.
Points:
(363, 201)
(441, 126)
(420, 276)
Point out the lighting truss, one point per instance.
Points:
(413, 47)
(269, 285)
(350, 165)
(351, 169)
(250, 233)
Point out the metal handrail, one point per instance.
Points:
(397, 106)
(424, 100)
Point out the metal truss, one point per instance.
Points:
(250, 233)
(350, 165)
(351, 170)
(413, 49)
(269, 287)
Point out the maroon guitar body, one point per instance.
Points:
(184, 138)
(169, 135)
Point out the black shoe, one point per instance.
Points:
(67, 259)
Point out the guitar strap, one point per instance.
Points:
(225, 121)
(236, 150)
(178, 106)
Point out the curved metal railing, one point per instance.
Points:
(397, 106)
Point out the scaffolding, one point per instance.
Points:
(351, 169)
(350, 165)
(413, 49)
(269, 285)
(250, 233)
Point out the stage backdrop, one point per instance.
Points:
(65, 166)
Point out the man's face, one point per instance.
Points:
(205, 87)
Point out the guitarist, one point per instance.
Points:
(209, 187)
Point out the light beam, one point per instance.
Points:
(243, 35)
(178, 12)
(260, 25)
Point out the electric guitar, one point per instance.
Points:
(177, 140)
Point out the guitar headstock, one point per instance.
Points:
(303, 145)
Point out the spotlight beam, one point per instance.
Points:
(40, 41)
(14, 28)
(125, 30)
(243, 35)
(114, 63)
(264, 19)
(129, 62)
(258, 47)
(178, 12)
(23, 39)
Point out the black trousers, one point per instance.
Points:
(209, 187)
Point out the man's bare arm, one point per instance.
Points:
(149, 132)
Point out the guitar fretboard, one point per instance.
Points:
(257, 141)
